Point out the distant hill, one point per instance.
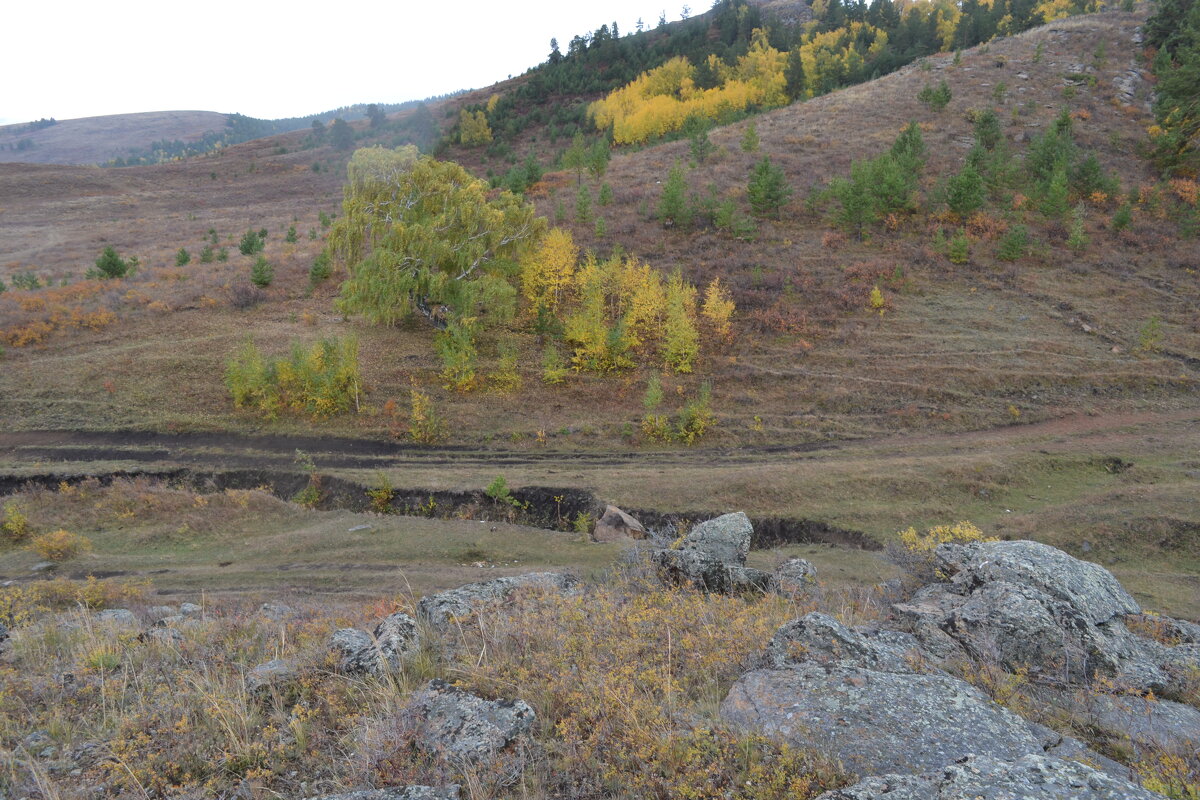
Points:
(94, 140)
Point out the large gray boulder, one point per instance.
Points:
(359, 653)
(451, 792)
(712, 557)
(463, 727)
(1025, 605)
(276, 675)
(877, 722)
(820, 638)
(981, 777)
(796, 576)
(1089, 588)
(1140, 721)
(441, 609)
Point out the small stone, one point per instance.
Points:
(617, 526)
(270, 676)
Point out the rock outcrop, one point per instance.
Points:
(1029, 777)
(877, 722)
(440, 610)
(794, 577)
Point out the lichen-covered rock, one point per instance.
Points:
(793, 577)
(820, 638)
(725, 539)
(615, 525)
(396, 636)
(981, 777)
(190, 610)
(156, 613)
(274, 675)
(441, 609)
(1089, 588)
(464, 727)
(162, 635)
(276, 612)
(451, 792)
(1141, 721)
(712, 557)
(121, 617)
(877, 722)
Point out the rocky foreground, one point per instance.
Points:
(889, 700)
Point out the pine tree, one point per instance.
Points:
(673, 206)
(262, 273)
(750, 141)
(768, 189)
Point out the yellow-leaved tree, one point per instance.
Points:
(547, 272)
(473, 128)
(718, 309)
(681, 340)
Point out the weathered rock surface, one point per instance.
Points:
(462, 726)
(821, 639)
(396, 636)
(793, 577)
(877, 722)
(439, 610)
(1144, 722)
(156, 613)
(1089, 588)
(122, 617)
(1028, 605)
(272, 675)
(617, 526)
(190, 610)
(713, 557)
(1030, 777)
(725, 538)
(162, 635)
(451, 792)
(276, 612)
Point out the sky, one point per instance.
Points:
(81, 58)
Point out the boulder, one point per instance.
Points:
(982, 777)
(190, 610)
(1089, 588)
(122, 617)
(440, 610)
(877, 722)
(820, 638)
(725, 539)
(271, 676)
(450, 792)
(169, 636)
(361, 654)
(793, 577)
(276, 612)
(617, 526)
(713, 557)
(156, 613)
(464, 727)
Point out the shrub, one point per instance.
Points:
(223, 254)
(916, 553)
(262, 273)
(964, 192)
(1123, 217)
(1013, 244)
(673, 208)
(750, 138)
(206, 254)
(320, 269)
(554, 369)
(60, 545)
(456, 347)
(110, 265)
(381, 493)
(425, 425)
(696, 417)
(251, 243)
(183, 257)
(16, 525)
(935, 98)
(290, 237)
(987, 130)
(718, 309)
(768, 189)
(1078, 240)
(321, 380)
(959, 248)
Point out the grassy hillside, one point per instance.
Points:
(94, 140)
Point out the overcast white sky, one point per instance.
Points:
(81, 58)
